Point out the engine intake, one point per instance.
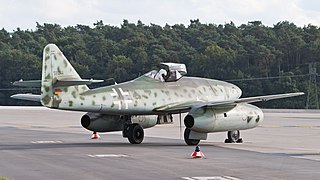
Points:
(189, 121)
(102, 122)
(85, 121)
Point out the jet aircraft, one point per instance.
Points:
(130, 107)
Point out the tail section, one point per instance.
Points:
(61, 85)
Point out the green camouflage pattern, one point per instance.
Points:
(140, 96)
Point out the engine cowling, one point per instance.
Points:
(206, 120)
(101, 122)
(107, 123)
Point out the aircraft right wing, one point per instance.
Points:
(186, 106)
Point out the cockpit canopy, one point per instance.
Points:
(181, 68)
(170, 72)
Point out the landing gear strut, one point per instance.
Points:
(233, 137)
(190, 141)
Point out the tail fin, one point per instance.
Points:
(57, 68)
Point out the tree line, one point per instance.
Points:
(259, 59)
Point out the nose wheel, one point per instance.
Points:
(233, 137)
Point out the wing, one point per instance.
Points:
(28, 97)
(267, 98)
(178, 107)
(186, 106)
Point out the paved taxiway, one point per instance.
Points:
(39, 143)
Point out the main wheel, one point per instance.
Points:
(234, 136)
(135, 133)
(190, 141)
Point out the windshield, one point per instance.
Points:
(157, 75)
(164, 76)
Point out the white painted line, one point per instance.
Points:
(107, 155)
(46, 142)
(211, 178)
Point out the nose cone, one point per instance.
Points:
(239, 91)
(236, 91)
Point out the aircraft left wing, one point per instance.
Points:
(28, 97)
(179, 107)
(186, 106)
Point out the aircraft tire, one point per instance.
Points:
(135, 133)
(190, 142)
(240, 140)
(233, 136)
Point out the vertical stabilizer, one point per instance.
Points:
(55, 67)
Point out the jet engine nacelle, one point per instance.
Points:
(107, 123)
(241, 117)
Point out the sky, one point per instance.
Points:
(25, 13)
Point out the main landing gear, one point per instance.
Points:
(134, 132)
(233, 137)
(190, 141)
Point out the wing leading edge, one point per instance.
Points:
(186, 106)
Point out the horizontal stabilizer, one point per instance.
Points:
(27, 97)
(31, 83)
(75, 82)
(63, 82)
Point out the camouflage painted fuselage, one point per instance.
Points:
(146, 95)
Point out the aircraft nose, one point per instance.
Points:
(236, 91)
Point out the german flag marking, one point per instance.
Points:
(57, 91)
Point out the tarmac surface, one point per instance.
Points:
(39, 143)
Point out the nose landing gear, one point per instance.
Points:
(233, 137)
